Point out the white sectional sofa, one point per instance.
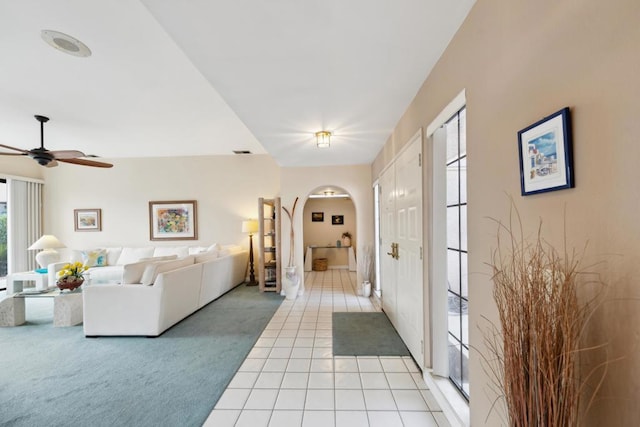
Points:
(154, 293)
(107, 264)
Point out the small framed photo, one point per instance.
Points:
(337, 219)
(546, 159)
(87, 219)
(174, 220)
(317, 216)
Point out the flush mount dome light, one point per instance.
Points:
(65, 43)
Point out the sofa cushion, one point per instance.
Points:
(112, 255)
(206, 256)
(95, 258)
(160, 258)
(194, 250)
(107, 274)
(152, 270)
(180, 251)
(132, 272)
(131, 255)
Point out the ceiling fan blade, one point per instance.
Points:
(67, 154)
(14, 148)
(52, 164)
(86, 162)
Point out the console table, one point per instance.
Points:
(308, 257)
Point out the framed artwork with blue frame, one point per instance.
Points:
(546, 158)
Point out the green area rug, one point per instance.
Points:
(57, 377)
(366, 334)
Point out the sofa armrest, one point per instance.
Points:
(52, 272)
(121, 310)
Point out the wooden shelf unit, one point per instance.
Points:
(269, 244)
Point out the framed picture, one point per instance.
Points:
(337, 219)
(174, 220)
(545, 148)
(317, 216)
(87, 219)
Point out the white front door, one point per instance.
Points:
(410, 301)
(388, 280)
(401, 225)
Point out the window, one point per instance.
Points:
(457, 291)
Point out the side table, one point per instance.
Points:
(15, 285)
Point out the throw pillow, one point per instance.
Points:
(131, 255)
(152, 271)
(96, 258)
(180, 251)
(132, 273)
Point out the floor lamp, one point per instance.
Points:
(250, 226)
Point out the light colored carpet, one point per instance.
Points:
(57, 377)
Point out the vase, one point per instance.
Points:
(365, 289)
(346, 241)
(291, 282)
(70, 283)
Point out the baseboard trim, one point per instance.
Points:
(453, 405)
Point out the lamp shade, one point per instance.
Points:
(249, 226)
(47, 241)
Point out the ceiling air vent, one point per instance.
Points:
(241, 152)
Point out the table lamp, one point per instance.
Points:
(48, 243)
(250, 226)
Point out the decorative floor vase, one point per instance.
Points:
(365, 289)
(291, 282)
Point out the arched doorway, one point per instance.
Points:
(329, 229)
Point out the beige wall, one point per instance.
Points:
(226, 189)
(325, 233)
(520, 61)
(20, 167)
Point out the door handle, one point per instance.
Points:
(394, 251)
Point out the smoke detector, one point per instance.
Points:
(65, 43)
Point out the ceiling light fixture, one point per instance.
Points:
(65, 43)
(323, 139)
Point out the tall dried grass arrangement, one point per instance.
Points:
(534, 356)
(291, 233)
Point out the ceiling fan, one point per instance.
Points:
(51, 158)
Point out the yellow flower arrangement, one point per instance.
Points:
(74, 270)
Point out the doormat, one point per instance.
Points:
(366, 334)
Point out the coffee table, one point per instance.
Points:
(67, 306)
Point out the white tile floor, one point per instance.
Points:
(291, 378)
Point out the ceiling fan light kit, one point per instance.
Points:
(50, 159)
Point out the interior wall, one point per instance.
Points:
(325, 233)
(226, 189)
(20, 167)
(519, 62)
(300, 182)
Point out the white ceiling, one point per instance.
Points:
(202, 77)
